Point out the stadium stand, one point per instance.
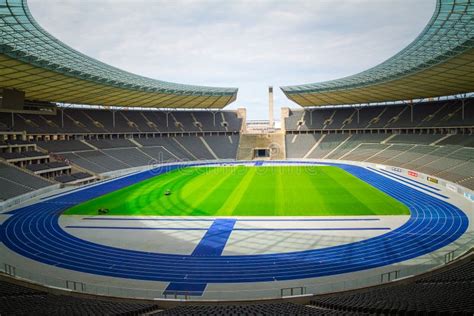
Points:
(245, 310)
(224, 148)
(74, 146)
(447, 113)
(112, 143)
(446, 292)
(17, 299)
(25, 155)
(116, 154)
(99, 147)
(15, 181)
(81, 121)
(451, 162)
(60, 146)
(431, 137)
(298, 145)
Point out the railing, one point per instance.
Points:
(10, 270)
(389, 276)
(178, 295)
(293, 291)
(76, 286)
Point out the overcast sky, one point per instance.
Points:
(246, 44)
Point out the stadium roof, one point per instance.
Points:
(33, 61)
(439, 62)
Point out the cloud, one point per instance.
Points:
(245, 44)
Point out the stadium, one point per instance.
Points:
(125, 195)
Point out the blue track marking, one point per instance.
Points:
(136, 228)
(235, 229)
(240, 219)
(148, 219)
(213, 242)
(34, 232)
(259, 163)
(312, 229)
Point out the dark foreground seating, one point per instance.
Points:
(247, 310)
(444, 293)
(20, 300)
(449, 291)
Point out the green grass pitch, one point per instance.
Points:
(247, 191)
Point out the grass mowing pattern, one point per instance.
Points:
(248, 191)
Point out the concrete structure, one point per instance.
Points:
(270, 107)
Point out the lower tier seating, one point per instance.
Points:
(275, 309)
(14, 182)
(430, 154)
(20, 300)
(443, 293)
(111, 154)
(448, 291)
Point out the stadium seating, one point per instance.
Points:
(15, 181)
(20, 300)
(112, 143)
(116, 154)
(445, 292)
(223, 147)
(447, 113)
(79, 121)
(98, 146)
(274, 309)
(298, 145)
(60, 146)
(451, 159)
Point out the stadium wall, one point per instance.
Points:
(27, 197)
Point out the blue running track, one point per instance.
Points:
(34, 232)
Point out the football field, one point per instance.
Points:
(247, 191)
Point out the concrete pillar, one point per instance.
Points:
(270, 106)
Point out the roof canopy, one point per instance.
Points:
(439, 62)
(33, 61)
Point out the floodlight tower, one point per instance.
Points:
(270, 106)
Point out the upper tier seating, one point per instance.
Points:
(131, 121)
(447, 113)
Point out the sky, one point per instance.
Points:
(248, 44)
